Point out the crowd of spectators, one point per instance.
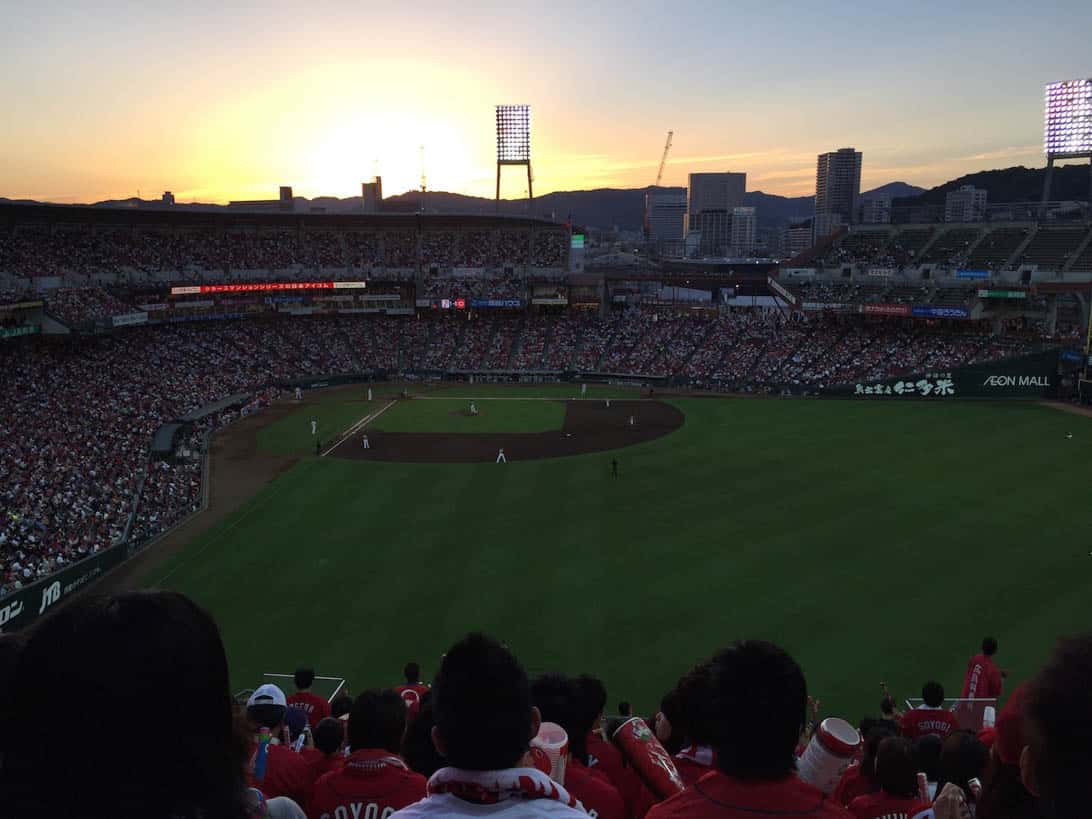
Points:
(30, 252)
(738, 735)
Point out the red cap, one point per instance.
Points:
(1010, 727)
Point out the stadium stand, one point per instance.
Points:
(1051, 248)
(952, 246)
(996, 248)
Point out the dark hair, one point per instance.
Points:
(624, 708)
(140, 653)
(933, 694)
(340, 705)
(304, 678)
(963, 758)
(266, 715)
(328, 735)
(1059, 712)
(1004, 795)
(482, 704)
(989, 646)
(896, 773)
(593, 692)
(558, 700)
(418, 749)
(759, 705)
(695, 691)
(927, 750)
(378, 720)
(412, 673)
(875, 735)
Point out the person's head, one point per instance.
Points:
(418, 749)
(759, 706)
(482, 703)
(872, 740)
(267, 708)
(625, 709)
(927, 750)
(593, 694)
(933, 694)
(695, 697)
(304, 678)
(558, 699)
(895, 770)
(120, 660)
(962, 759)
(668, 722)
(329, 735)
(412, 673)
(1056, 765)
(989, 646)
(340, 706)
(378, 720)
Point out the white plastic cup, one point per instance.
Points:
(554, 742)
(989, 716)
(832, 748)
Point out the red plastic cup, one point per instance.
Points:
(648, 757)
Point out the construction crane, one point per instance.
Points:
(663, 159)
(423, 186)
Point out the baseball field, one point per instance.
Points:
(876, 541)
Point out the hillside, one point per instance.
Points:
(1017, 184)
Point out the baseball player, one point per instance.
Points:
(299, 394)
(365, 442)
(608, 403)
(314, 426)
(633, 420)
(500, 457)
(473, 408)
(369, 393)
(583, 390)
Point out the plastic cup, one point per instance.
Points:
(832, 748)
(554, 743)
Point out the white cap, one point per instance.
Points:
(267, 694)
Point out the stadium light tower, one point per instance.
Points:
(514, 142)
(1067, 131)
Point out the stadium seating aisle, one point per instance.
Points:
(710, 752)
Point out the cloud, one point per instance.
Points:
(1011, 152)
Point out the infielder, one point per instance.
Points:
(299, 394)
(365, 442)
(500, 457)
(369, 393)
(314, 426)
(473, 408)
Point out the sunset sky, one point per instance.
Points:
(220, 101)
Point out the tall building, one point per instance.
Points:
(743, 231)
(665, 216)
(876, 211)
(371, 194)
(711, 198)
(796, 238)
(968, 204)
(837, 187)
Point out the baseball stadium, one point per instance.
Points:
(349, 440)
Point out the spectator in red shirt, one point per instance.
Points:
(326, 755)
(558, 700)
(696, 758)
(859, 779)
(927, 751)
(1056, 764)
(412, 692)
(76, 738)
(983, 680)
(315, 707)
(898, 795)
(759, 706)
(286, 772)
(963, 758)
(374, 780)
(931, 717)
(603, 756)
(1003, 793)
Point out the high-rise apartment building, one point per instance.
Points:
(837, 187)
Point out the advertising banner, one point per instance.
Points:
(885, 309)
(928, 311)
(264, 287)
(496, 303)
(881, 272)
(972, 274)
(556, 300)
(829, 305)
(129, 318)
(153, 308)
(781, 291)
(1002, 294)
(1033, 376)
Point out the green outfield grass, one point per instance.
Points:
(876, 541)
(494, 415)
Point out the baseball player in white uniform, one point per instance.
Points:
(500, 457)
(367, 445)
(473, 408)
(314, 426)
(299, 394)
(369, 393)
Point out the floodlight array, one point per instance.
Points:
(513, 133)
(1068, 118)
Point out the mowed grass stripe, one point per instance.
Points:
(875, 541)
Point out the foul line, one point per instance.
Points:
(363, 422)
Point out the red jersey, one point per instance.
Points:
(411, 696)
(316, 708)
(604, 757)
(286, 774)
(599, 797)
(719, 796)
(853, 784)
(925, 720)
(983, 680)
(372, 782)
(694, 762)
(320, 763)
(885, 806)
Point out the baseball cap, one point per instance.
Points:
(267, 694)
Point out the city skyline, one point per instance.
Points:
(218, 104)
